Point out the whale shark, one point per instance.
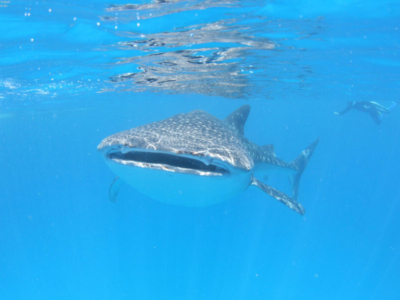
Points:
(196, 159)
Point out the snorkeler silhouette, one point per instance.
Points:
(375, 110)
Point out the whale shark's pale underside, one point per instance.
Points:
(196, 159)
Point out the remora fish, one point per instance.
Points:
(196, 159)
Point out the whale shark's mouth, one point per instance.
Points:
(169, 162)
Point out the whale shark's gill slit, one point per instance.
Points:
(170, 160)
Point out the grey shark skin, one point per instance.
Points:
(196, 159)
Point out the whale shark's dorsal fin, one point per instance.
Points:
(269, 149)
(238, 118)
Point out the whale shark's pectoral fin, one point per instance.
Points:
(278, 195)
(114, 189)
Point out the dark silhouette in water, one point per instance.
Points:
(375, 110)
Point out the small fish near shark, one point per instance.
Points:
(196, 159)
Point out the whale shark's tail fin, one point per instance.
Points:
(299, 164)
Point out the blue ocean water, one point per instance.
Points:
(74, 72)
